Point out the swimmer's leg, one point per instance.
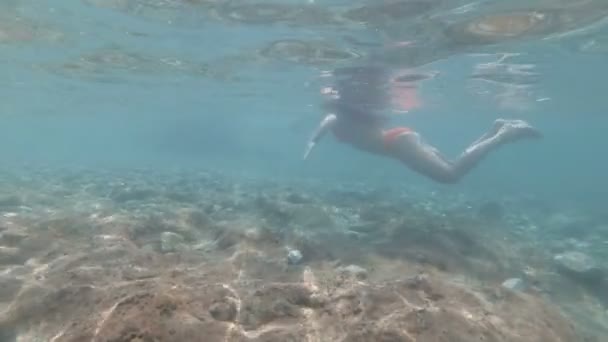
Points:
(427, 160)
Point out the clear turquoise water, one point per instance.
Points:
(170, 83)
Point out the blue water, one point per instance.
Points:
(188, 88)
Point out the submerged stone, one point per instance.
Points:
(579, 266)
(225, 311)
(294, 257)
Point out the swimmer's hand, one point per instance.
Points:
(309, 148)
(324, 126)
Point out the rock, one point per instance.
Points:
(294, 257)
(354, 270)
(579, 266)
(170, 242)
(515, 284)
(225, 311)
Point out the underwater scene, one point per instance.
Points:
(303, 170)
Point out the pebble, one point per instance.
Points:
(294, 257)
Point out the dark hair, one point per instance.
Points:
(362, 92)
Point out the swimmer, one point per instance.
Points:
(352, 118)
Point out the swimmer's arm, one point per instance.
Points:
(324, 126)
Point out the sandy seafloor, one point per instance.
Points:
(137, 255)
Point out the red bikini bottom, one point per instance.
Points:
(391, 135)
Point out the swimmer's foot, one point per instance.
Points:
(512, 130)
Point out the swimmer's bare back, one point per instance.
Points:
(406, 145)
(353, 105)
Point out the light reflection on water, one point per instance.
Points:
(232, 41)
